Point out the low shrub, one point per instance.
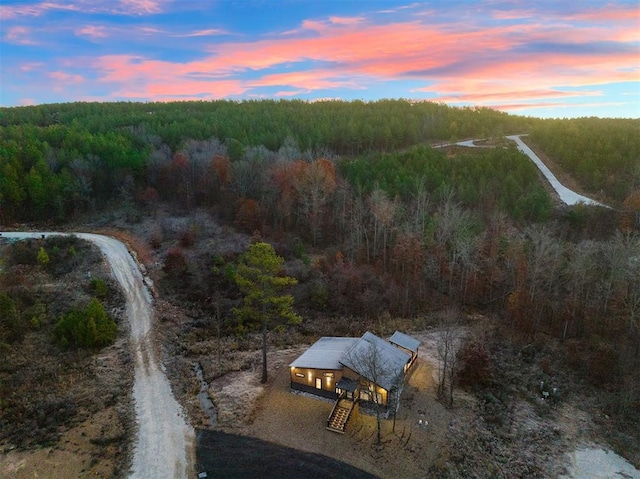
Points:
(98, 287)
(86, 328)
(475, 368)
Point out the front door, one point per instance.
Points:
(318, 383)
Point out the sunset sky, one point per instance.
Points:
(545, 58)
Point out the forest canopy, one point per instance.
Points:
(61, 160)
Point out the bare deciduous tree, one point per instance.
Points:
(376, 369)
(384, 211)
(315, 187)
(448, 344)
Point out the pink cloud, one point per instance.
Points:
(150, 30)
(92, 32)
(483, 97)
(181, 89)
(486, 65)
(30, 66)
(121, 7)
(307, 80)
(66, 77)
(153, 79)
(346, 20)
(142, 7)
(8, 12)
(375, 48)
(19, 36)
(625, 14)
(284, 94)
(402, 7)
(203, 33)
(537, 105)
(513, 14)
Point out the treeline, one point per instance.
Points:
(602, 154)
(343, 127)
(57, 161)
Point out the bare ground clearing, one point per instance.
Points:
(65, 414)
(522, 438)
(90, 449)
(298, 421)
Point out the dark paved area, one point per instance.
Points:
(230, 456)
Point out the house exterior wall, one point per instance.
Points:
(305, 379)
(321, 382)
(350, 374)
(366, 386)
(366, 393)
(413, 355)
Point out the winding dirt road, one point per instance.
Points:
(566, 195)
(164, 445)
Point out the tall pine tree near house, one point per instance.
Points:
(259, 279)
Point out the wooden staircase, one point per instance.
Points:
(340, 415)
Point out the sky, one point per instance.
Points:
(558, 59)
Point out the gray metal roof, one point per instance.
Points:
(376, 360)
(325, 353)
(347, 384)
(405, 341)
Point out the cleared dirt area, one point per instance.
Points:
(64, 413)
(407, 452)
(298, 420)
(91, 449)
(516, 434)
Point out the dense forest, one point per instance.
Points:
(385, 223)
(60, 160)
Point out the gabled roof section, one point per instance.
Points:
(325, 353)
(405, 341)
(376, 360)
